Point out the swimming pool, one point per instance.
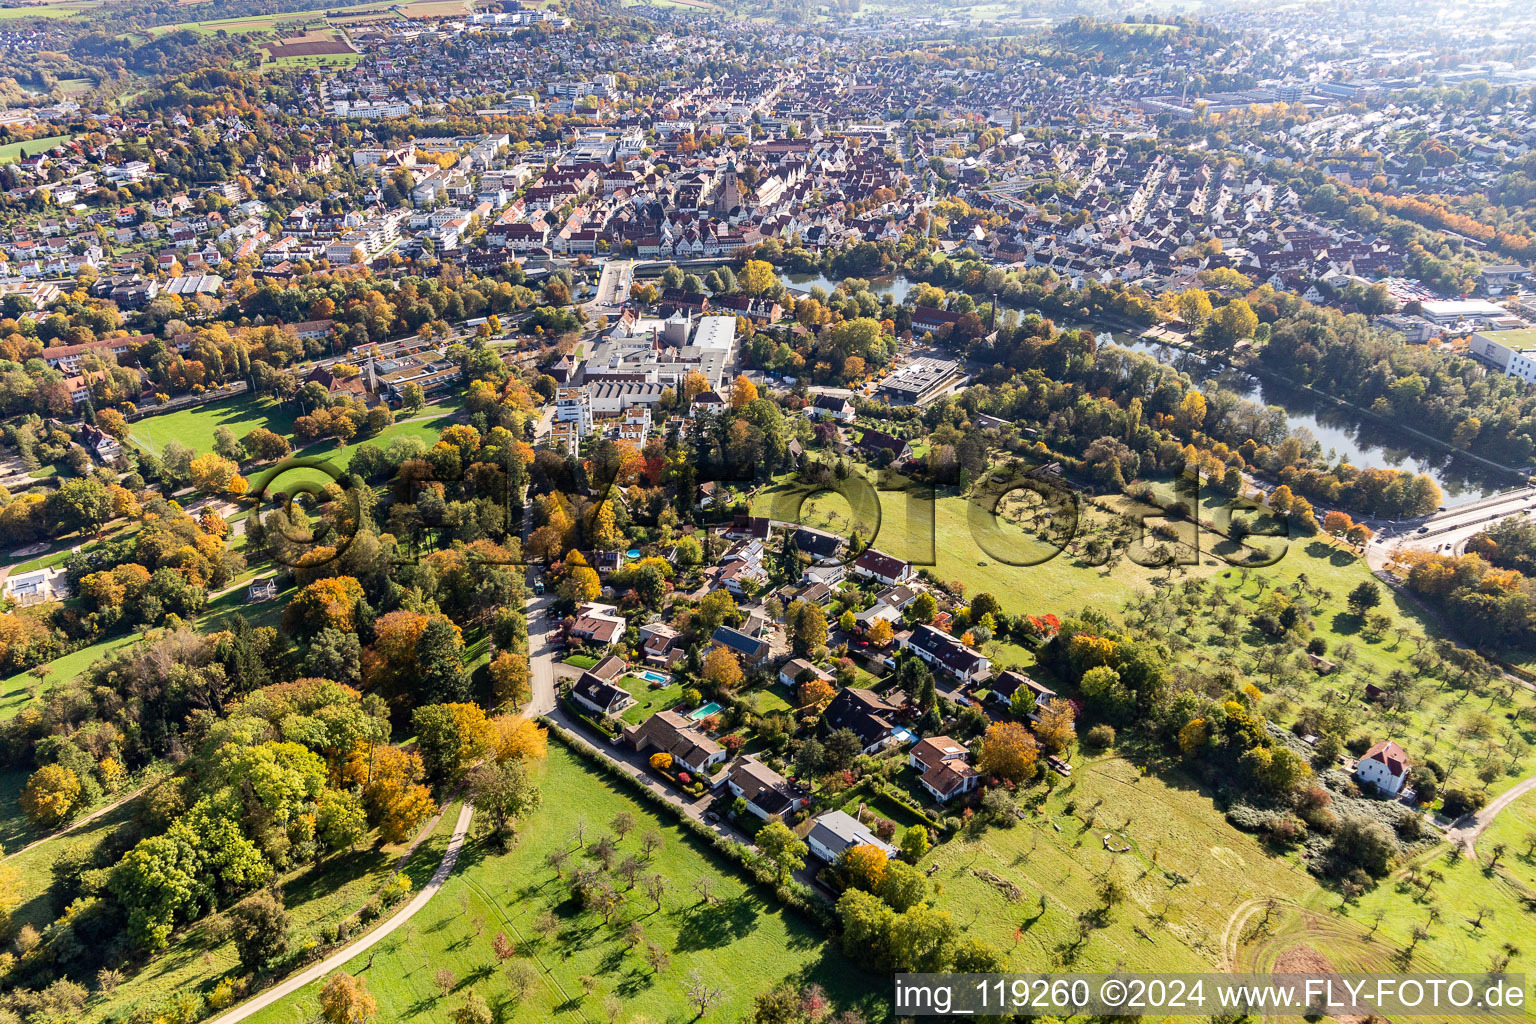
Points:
(704, 712)
(653, 677)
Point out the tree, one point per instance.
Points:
(451, 737)
(341, 821)
(474, 1011)
(757, 278)
(922, 940)
(1236, 320)
(519, 739)
(78, 504)
(51, 796)
(510, 678)
(806, 624)
(504, 791)
(1008, 751)
(439, 660)
(661, 761)
(914, 843)
(700, 993)
(345, 999)
(881, 633)
(903, 886)
(212, 472)
(924, 607)
(783, 847)
(743, 392)
(260, 930)
(866, 923)
(862, 866)
(1022, 703)
(723, 669)
(1364, 597)
(1055, 729)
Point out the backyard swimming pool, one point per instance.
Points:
(705, 711)
(653, 677)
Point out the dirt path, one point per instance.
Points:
(342, 956)
(67, 829)
(1464, 836)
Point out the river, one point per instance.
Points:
(1344, 434)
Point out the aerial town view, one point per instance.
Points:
(831, 512)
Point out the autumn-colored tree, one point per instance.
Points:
(510, 678)
(1008, 751)
(757, 278)
(743, 391)
(661, 761)
(330, 603)
(1055, 727)
(722, 669)
(580, 582)
(881, 633)
(51, 795)
(1337, 523)
(396, 801)
(815, 693)
(518, 739)
(345, 999)
(212, 472)
(863, 866)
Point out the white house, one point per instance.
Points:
(1384, 766)
(836, 831)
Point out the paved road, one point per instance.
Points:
(1464, 836)
(342, 957)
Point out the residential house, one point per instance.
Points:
(1384, 766)
(792, 672)
(944, 767)
(766, 792)
(748, 649)
(878, 566)
(871, 718)
(668, 732)
(598, 624)
(837, 831)
(1006, 683)
(937, 648)
(599, 696)
(834, 407)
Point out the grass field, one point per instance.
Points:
(741, 944)
(14, 691)
(13, 151)
(194, 427)
(68, 10)
(648, 701)
(1185, 874)
(1473, 916)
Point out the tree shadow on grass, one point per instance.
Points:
(707, 927)
(329, 875)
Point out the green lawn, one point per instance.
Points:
(741, 944)
(425, 424)
(13, 151)
(581, 660)
(648, 701)
(1373, 935)
(194, 427)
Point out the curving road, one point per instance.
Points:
(1464, 836)
(343, 956)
